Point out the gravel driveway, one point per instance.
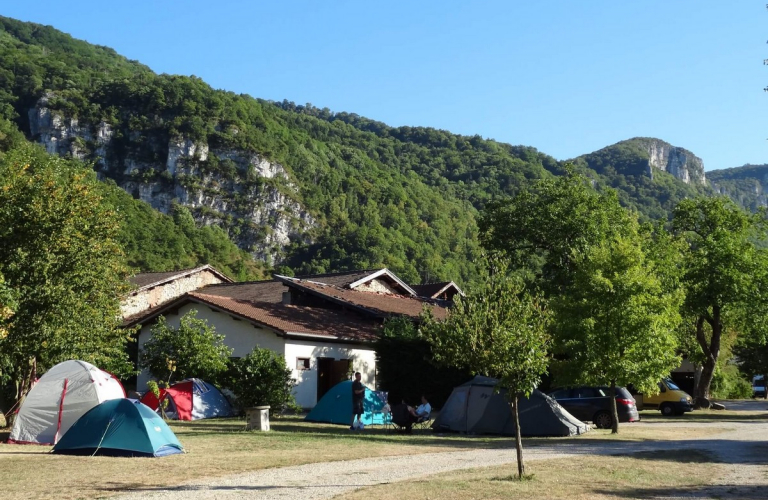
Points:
(743, 449)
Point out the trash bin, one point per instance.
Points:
(258, 418)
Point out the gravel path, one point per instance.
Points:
(743, 449)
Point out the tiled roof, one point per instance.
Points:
(341, 279)
(144, 280)
(298, 320)
(269, 291)
(377, 304)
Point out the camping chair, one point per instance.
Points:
(424, 423)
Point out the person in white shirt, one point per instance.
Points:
(422, 411)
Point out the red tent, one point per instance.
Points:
(190, 399)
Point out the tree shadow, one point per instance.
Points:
(742, 492)
(699, 417)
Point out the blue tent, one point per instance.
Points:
(335, 407)
(120, 427)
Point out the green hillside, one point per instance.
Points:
(746, 185)
(402, 197)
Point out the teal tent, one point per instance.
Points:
(335, 407)
(119, 427)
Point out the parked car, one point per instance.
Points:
(594, 404)
(670, 400)
(758, 386)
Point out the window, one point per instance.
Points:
(302, 363)
(587, 392)
(561, 394)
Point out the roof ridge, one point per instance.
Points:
(335, 273)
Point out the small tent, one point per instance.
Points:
(120, 428)
(59, 398)
(476, 408)
(335, 407)
(191, 399)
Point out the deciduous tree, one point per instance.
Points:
(62, 263)
(542, 228)
(615, 324)
(721, 273)
(497, 330)
(194, 349)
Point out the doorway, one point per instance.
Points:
(329, 373)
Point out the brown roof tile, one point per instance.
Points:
(322, 323)
(268, 291)
(341, 279)
(379, 304)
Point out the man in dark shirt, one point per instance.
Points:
(358, 394)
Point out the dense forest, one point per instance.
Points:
(402, 197)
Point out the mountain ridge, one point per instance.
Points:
(297, 185)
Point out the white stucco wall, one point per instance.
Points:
(242, 337)
(363, 361)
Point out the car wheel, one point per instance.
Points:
(667, 410)
(602, 420)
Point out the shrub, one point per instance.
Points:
(194, 349)
(262, 378)
(728, 383)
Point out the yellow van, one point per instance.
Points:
(670, 400)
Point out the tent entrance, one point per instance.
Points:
(329, 373)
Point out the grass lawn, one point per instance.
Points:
(222, 446)
(643, 475)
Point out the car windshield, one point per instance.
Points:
(672, 386)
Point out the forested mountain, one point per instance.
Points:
(291, 185)
(746, 185)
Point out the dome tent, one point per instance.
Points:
(476, 408)
(61, 396)
(120, 428)
(335, 407)
(191, 399)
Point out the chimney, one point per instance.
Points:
(287, 298)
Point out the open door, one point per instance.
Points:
(329, 373)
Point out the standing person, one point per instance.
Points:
(358, 394)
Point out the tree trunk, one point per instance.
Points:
(711, 351)
(614, 410)
(22, 388)
(518, 440)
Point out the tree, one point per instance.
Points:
(542, 228)
(194, 349)
(62, 263)
(403, 355)
(498, 330)
(615, 324)
(721, 274)
(752, 353)
(261, 378)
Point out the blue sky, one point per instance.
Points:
(563, 76)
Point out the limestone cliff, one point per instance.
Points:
(251, 197)
(679, 162)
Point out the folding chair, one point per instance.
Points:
(424, 423)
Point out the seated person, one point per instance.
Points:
(401, 416)
(421, 412)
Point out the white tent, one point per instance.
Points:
(59, 398)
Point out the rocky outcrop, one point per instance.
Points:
(248, 195)
(679, 162)
(65, 136)
(746, 185)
